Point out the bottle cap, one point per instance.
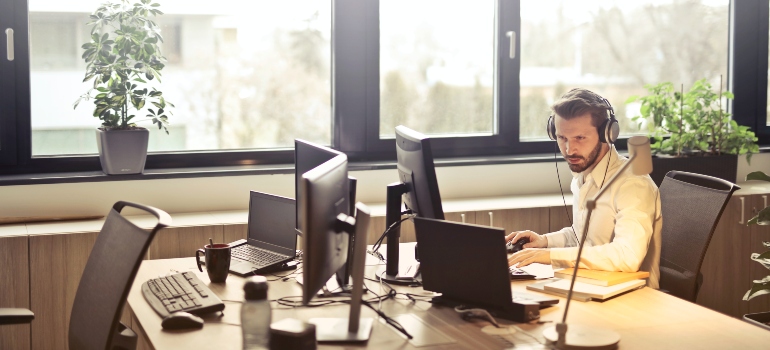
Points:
(255, 288)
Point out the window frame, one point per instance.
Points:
(355, 95)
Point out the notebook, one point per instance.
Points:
(593, 291)
(272, 237)
(468, 264)
(601, 278)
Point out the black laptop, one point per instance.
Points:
(272, 237)
(468, 265)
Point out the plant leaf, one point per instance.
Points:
(759, 287)
(757, 175)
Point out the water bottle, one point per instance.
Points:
(256, 314)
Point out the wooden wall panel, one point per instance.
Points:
(180, 242)
(14, 279)
(559, 218)
(470, 217)
(759, 234)
(534, 219)
(726, 264)
(56, 265)
(234, 232)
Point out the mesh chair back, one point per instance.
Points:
(691, 205)
(108, 277)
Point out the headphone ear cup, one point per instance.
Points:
(550, 128)
(609, 131)
(613, 131)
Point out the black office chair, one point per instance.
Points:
(106, 281)
(691, 205)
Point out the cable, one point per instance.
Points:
(569, 217)
(378, 243)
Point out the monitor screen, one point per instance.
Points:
(307, 156)
(416, 170)
(272, 222)
(325, 192)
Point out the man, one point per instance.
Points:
(624, 231)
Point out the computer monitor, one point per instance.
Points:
(308, 155)
(325, 228)
(417, 189)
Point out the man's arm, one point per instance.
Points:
(562, 238)
(635, 203)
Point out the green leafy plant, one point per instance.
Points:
(692, 123)
(122, 58)
(760, 287)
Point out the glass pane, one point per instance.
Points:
(243, 74)
(614, 48)
(437, 66)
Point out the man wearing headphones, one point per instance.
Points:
(624, 232)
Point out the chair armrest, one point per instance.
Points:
(124, 338)
(15, 316)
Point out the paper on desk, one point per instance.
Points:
(541, 271)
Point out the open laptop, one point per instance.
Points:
(272, 237)
(468, 264)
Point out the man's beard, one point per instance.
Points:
(592, 157)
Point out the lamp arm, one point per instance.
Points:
(590, 205)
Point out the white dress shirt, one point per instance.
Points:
(624, 231)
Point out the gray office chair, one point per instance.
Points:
(107, 279)
(691, 205)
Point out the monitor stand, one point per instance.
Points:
(395, 192)
(354, 328)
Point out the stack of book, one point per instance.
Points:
(592, 284)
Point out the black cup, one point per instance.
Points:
(217, 261)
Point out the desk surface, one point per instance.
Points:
(645, 319)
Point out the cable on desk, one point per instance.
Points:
(378, 243)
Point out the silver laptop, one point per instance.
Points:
(272, 237)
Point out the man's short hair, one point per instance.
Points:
(577, 102)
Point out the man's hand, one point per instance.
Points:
(535, 240)
(528, 256)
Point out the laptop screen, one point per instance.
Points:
(272, 222)
(464, 262)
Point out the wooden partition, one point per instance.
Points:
(14, 279)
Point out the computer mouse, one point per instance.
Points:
(182, 320)
(515, 247)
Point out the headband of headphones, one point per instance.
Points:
(608, 130)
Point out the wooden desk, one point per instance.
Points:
(645, 319)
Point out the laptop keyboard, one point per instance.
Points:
(256, 256)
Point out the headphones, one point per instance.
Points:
(608, 131)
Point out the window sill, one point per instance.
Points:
(245, 170)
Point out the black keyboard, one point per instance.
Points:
(519, 274)
(180, 292)
(257, 256)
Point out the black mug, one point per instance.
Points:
(217, 261)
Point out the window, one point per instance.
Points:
(243, 75)
(614, 48)
(436, 75)
(477, 75)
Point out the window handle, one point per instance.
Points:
(765, 199)
(462, 216)
(512, 35)
(9, 42)
(491, 219)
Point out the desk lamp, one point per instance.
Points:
(581, 337)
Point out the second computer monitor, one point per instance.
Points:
(416, 170)
(324, 191)
(308, 155)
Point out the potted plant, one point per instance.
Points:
(123, 59)
(759, 287)
(692, 132)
